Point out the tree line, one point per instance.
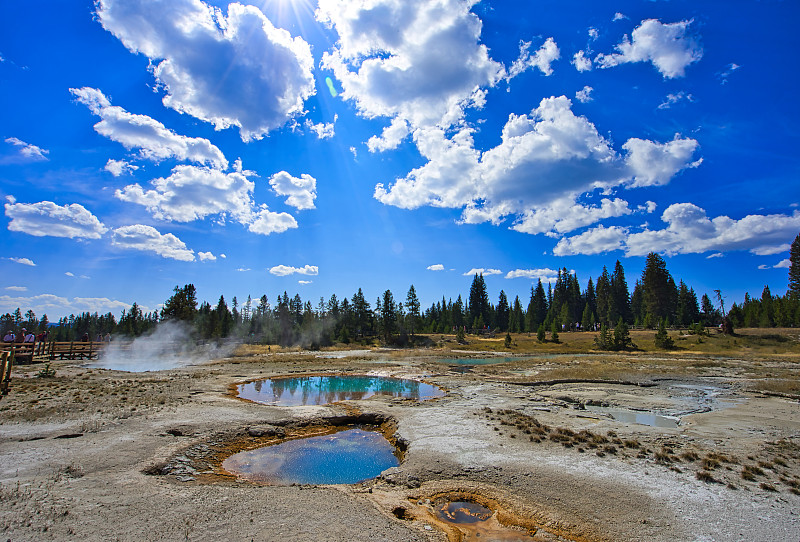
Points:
(655, 301)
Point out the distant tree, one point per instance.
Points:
(516, 321)
(587, 318)
(622, 336)
(507, 342)
(794, 269)
(659, 292)
(620, 298)
(182, 305)
(537, 308)
(540, 333)
(478, 300)
(554, 330)
(388, 315)
(603, 340)
(663, 340)
(605, 299)
(688, 311)
(502, 312)
(412, 307)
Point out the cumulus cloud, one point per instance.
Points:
(783, 264)
(541, 59)
(229, 70)
(667, 46)
(619, 16)
(23, 261)
(584, 95)
(206, 256)
(545, 274)
(267, 222)
(284, 270)
(56, 306)
(581, 62)
(435, 267)
(149, 239)
(689, 231)
(594, 241)
(391, 137)
(118, 167)
(482, 271)
(544, 163)
(48, 219)
(16, 288)
(154, 140)
(26, 151)
(770, 250)
(322, 130)
(192, 193)
(301, 191)
(384, 63)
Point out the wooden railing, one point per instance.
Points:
(6, 361)
(52, 350)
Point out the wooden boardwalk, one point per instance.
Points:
(42, 351)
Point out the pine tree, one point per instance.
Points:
(478, 300)
(663, 340)
(794, 269)
(502, 312)
(621, 301)
(412, 306)
(659, 293)
(622, 337)
(604, 297)
(554, 330)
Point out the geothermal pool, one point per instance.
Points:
(346, 457)
(323, 390)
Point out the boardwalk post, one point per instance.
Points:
(6, 362)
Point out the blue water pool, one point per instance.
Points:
(346, 457)
(322, 390)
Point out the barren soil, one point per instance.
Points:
(93, 454)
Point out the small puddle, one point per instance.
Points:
(633, 416)
(345, 457)
(323, 390)
(477, 522)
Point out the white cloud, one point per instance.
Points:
(545, 162)
(715, 255)
(482, 271)
(672, 99)
(192, 193)
(391, 137)
(690, 230)
(301, 191)
(284, 270)
(783, 264)
(619, 16)
(581, 63)
(545, 275)
(267, 222)
(665, 45)
(69, 274)
(154, 140)
(541, 59)
(764, 266)
(384, 63)
(223, 256)
(206, 256)
(584, 95)
(56, 307)
(770, 250)
(148, 239)
(435, 267)
(654, 164)
(323, 130)
(16, 288)
(23, 261)
(118, 167)
(235, 70)
(593, 241)
(27, 151)
(304, 282)
(48, 219)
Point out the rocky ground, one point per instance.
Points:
(94, 454)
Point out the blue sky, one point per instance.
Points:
(316, 147)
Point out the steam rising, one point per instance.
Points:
(169, 346)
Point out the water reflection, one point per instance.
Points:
(346, 457)
(476, 522)
(322, 390)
